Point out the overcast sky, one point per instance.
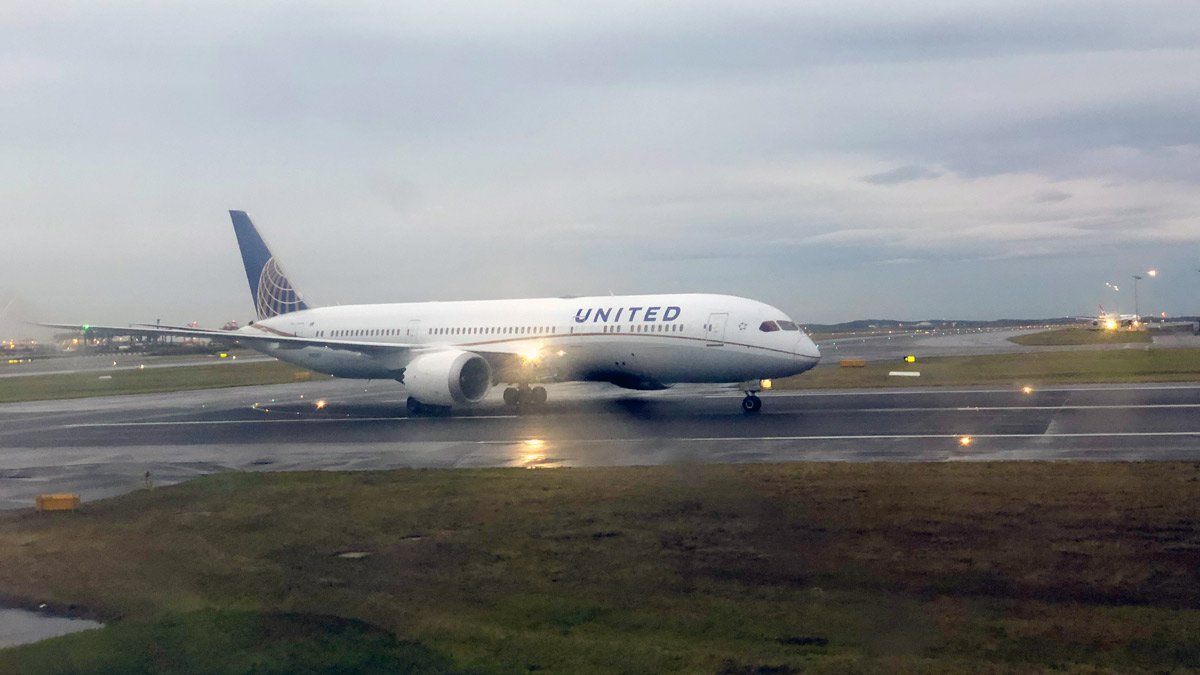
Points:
(839, 160)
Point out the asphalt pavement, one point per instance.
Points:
(104, 446)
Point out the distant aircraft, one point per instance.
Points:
(452, 353)
(1114, 321)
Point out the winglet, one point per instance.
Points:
(272, 292)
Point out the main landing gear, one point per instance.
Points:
(752, 403)
(525, 395)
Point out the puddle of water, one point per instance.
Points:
(19, 626)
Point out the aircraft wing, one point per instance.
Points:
(502, 354)
(250, 335)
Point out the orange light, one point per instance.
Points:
(320, 404)
(1028, 390)
(965, 441)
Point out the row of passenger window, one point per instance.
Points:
(493, 330)
(512, 330)
(648, 328)
(360, 332)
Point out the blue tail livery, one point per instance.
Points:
(272, 292)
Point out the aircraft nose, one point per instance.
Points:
(806, 348)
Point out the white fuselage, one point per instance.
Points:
(641, 341)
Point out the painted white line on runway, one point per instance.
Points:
(848, 437)
(275, 421)
(700, 439)
(1050, 408)
(900, 391)
(326, 420)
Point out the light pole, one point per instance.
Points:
(1136, 315)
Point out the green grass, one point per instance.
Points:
(149, 380)
(1081, 336)
(823, 568)
(223, 642)
(1065, 367)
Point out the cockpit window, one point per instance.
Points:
(768, 327)
(788, 325)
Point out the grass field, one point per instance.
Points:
(814, 568)
(1066, 367)
(149, 380)
(1081, 336)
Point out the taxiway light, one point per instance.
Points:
(320, 404)
(765, 384)
(964, 441)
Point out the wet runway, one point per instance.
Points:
(104, 446)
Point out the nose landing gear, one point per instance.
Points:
(752, 403)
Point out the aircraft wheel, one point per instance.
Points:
(511, 396)
(751, 404)
(537, 395)
(414, 406)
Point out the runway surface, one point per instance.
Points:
(104, 446)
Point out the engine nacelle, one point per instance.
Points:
(450, 377)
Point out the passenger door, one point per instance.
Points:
(714, 330)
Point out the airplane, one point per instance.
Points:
(452, 353)
(1114, 321)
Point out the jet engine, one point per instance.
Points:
(449, 377)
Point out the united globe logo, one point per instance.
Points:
(275, 293)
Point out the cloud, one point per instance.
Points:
(409, 151)
(1051, 196)
(902, 174)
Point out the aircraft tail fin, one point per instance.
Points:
(272, 292)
